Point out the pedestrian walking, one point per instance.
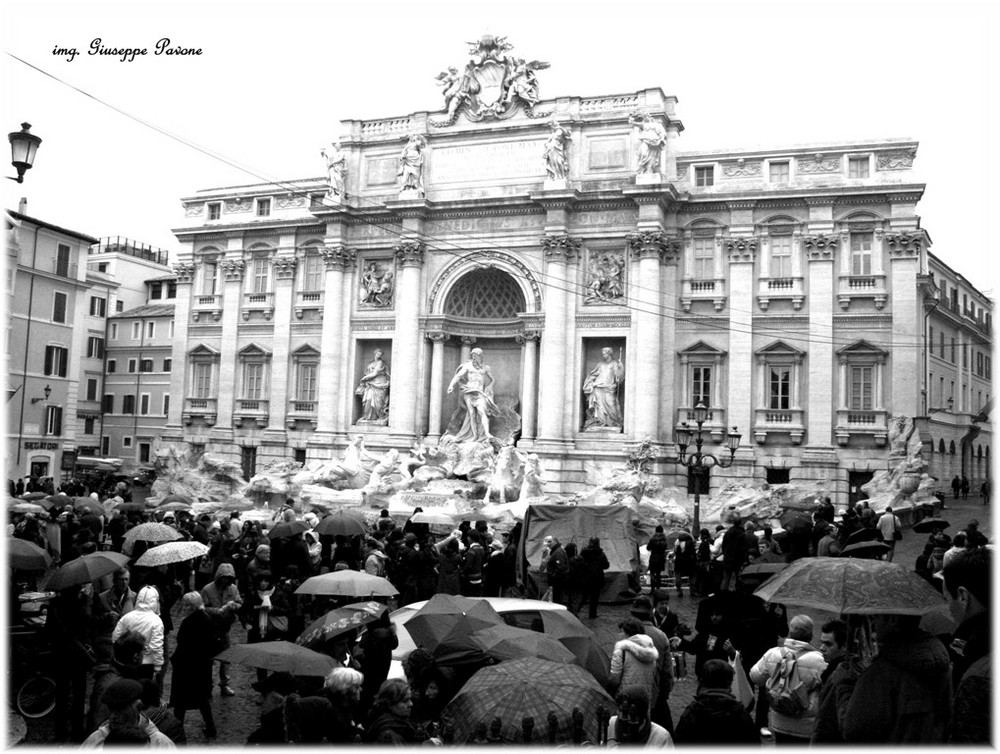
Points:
(657, 549)
(890, 530)
(145, 620)
(597, 563)
(956, 486)
(222, 603)
(685, 562)
(965, 487)
(734, 554)
(197, 644)
(633, 661)
(556, 569)
(715, 716)
(985, 489)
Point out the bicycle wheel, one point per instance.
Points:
(36, 697)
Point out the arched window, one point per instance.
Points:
(951, 448)
(979, 452)
(485, 294)
(941, 445)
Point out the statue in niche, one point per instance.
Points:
(476, 385)
(336, 166)
(556, 152)
(411, 164)
(376, 286)
(652, 139)
(374, 391)
(607, 278)
(601, 388)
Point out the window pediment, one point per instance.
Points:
(306, 351)
(779, 350)
(701, 348)
(201, 351)
(253, 351)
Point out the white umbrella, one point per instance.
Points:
(171, 552)
(434, 517)
(149, 532)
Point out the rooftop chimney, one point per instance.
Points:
(22, 207)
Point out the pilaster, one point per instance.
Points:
(560, 251)
(406, 343)
(232, 269)
(178, 350)
(336, 258)
(905, 252)
(648, 249)
(742, 252)
(284, 280)
(820, 254)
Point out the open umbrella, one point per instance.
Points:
(89, 504)
(279, 656)
(763, 569)
(26, 556)
(23, 507)
(851, 586)
(176, 499)
(927, 525)
(338, 621)
(287, 529)
(527, 687)
(32, 496)
(174, 507)
(343, 522)
(348, 584)
(61, 499)
(433, 517)
(443, 627)
(149, 532)
(864, 534)
(86, 568)
(567, 629)
(505, 642)
(865, 550)
(171, 552)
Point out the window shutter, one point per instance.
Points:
(63, 362)
(48, 360)
(57, 420)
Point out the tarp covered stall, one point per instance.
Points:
(569, 523)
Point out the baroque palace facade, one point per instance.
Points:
(784, 288)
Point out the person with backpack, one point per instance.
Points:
(792, 676)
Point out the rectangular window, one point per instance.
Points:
(263, 207)
(170, 329)
(248, 460)
(59, 307)
(780, 387)
(979, 363)
(777, 476)
(202, 376)
(965, 355)
(704, 259)
(127, 442)
(312, 273)
(941, 343)
(108, 404)
(989, 368)
(145, 365)
(214, 211)
(209, 276)
(781, 256)
(91, 389)
(861, 253)
(95, 348)
(128, 404)
(131, 365)
(112, 366)
(779, 172)
(306, 387)
(53, 420)
(930, 339)
(704, 176)
(113, 331)
(701, 381)
(299, 455)
(952, 350)
(144, 452)
(119, 306)
(102, 267)
(144, 404)
(136, 330)
(857, 167)
(862, 382)
(88, 425)
(259, 274)
(155, 290)
(105, 446)
(56, 359)
(150, 330)
(98, 306)
(62, 260)
(167, 364)
(166, 404)
(253, 381)
(171, 289)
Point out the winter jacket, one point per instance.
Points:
(557, 567)
(734, 548)
(145, 620)
(716, 717)
(157, 740)
(449, 567)
(685, 555)
(903, 697)
(657, 548)
(215, 599)
(659, 737)
(472, 564)
(597, 563)
(633, 663)
(971, 719)
(809, 666)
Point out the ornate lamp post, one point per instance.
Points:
(23, 146)
(700, 462)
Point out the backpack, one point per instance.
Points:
(785, 691)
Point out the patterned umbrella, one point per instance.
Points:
(344, 522)
(348, 584)
(505, 642)
(340, 620)
(566, 628)
(149, 532)
(287, 529)
(444, 626)
(26, 556)
(763, 569)
(171, 552)
(851, 586)
(527, 687)
(85, 569)
(279, 656)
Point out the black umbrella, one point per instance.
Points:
(862, 535)
(930, 524)
(865, 550)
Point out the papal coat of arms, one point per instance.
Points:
(492, 83)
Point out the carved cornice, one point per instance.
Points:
(564, 248)
(902, 160)
(194, 210)
(818, 164)
(232, 269)
(904, 198)
(741, 249)
(742, 204)
(337, 257)
(410, 253)
(820, 247)
(289, 200)
(742, 168)
(284, 267)
(238, 205)
(528, 335)
(184, 273)
(648, 244)
(905, 244)
(437, 337)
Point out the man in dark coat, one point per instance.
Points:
(734, 554)
(597, 564)
(407, 569)
(657, 548)
(473, 563)
(833, 645)
(715, 716)
(557, 571)
(70, 635)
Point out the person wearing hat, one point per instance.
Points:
(632, 725)
(222, 603)
(597, 563)
(126, 724)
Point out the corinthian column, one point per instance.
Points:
(560, 252)
(406, 343)
(437, 340)
(648, 248)
(335, 258)
(284, 278)
(530, 385)
(741, 251)
(232, 301)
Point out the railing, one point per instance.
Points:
(302, 407)
(309, 298)
(121, 245)
(251, 405)
(201, 404)
(781, 284)
(714, 415)
(702, 286)
(257, 300)
(856, 283)
(398, 126)
(66, 270)
(211, 302)
(862, 417)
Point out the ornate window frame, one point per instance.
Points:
(699, 356)
(260, 256)
(699, 232)
(770, 419)
(872, 422)
(871, 285)
(773, 287)
(196, 406)
(303, 408)
(253, 407)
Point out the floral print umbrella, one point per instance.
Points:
(339, 621)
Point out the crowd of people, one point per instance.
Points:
(759, 672)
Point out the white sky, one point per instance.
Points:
(274, 81)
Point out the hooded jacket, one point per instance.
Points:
(145, 620)
(716, 717)
(809, 665)
(633, 663)
(216, 597)
(157, 740)
(903, 697)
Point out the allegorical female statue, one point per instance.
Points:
(374, 392)
(336, 166)
(601, 388)
(556, 149)
(411, 164)
(476, 381)
(652, 139)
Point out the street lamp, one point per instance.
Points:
(47, 390)
(23, 146)
(700, 462)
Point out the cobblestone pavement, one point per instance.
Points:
(237, 716)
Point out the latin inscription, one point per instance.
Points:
(606, 154)
(488, 224)
(487, 162)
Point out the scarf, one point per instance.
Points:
(265, 609)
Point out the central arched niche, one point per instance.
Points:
(484, 294)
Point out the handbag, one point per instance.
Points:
(741, 687)
(897, 534)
